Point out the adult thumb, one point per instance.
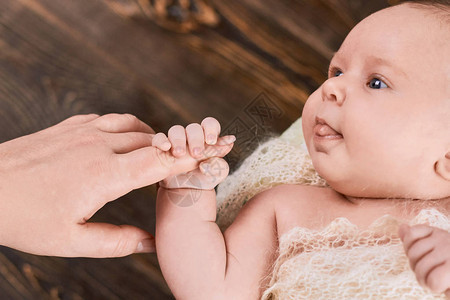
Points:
(107, 240)
(149, 165)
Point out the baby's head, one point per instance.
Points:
(379, 127)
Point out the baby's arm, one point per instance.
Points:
(197, 260)
(428, 250)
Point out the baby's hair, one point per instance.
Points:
(441, 7)
(443, 4)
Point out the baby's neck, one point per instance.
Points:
(405, 205)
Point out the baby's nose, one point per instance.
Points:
(333, 90)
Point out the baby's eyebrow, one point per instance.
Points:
(375, 60)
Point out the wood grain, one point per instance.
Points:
(251, 64)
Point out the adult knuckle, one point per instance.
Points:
(109, 116)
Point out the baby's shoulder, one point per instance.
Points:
(290, 196)
(305, 206)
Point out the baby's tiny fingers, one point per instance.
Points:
(447, 293)
(415, 233)
(425, 265)
(161, 141)
(196, 140)
(177, 137)
(438, 279)
(215, 170)
(216, 150)
(211, 128)
(418, 250)
(226, 140)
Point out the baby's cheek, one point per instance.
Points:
(309, 114)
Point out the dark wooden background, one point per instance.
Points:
(249, 63)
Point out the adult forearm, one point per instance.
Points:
(190, 246)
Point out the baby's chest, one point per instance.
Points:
(319, 214)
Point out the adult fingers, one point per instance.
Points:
(149, 165)
(211, 128)
(413, 234)
(177, 137)
(116, 123)
(140, 168)
(195, 139)
(79, 119)
(128, 141)
(211, 172)
(107, 240)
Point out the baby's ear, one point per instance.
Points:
(443, 166)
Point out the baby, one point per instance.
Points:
(378, 131)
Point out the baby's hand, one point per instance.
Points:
(204, 145)
(428, 250)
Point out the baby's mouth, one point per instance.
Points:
(323, 130)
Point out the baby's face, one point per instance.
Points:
(381, 122)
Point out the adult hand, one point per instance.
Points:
(53, 181)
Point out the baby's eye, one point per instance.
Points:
(337, 73)
(334, 72)
(376, 83)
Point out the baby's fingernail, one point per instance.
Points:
(211, 139)
(146, 246)
(197, 151)
(166, 145)
(178, 150)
